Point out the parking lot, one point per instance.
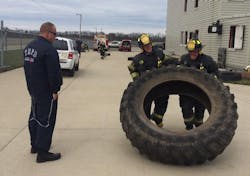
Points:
(88, 132)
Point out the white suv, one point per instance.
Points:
(68, 55)
(114, 44)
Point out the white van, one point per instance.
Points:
(68, 55)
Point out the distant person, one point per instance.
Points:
(86, 47)
(192, 109)
(102, 50)
(79, 46)
(150, 58)
(44, 80)
(98, 45)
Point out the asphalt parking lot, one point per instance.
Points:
(88, 132)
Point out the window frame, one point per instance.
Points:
(236, 37)
(196, 34)
(196, 3)
(191, 35)
(184, 37)
(185, 5)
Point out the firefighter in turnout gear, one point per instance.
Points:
(193, 110)
(150, 58)
(102, 49)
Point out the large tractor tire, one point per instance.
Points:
(179, 147)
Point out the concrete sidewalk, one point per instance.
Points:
(88, 132)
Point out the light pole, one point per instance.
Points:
(80, 24)
(1, 43)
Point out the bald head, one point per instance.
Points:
(46, 27)
(48, 31)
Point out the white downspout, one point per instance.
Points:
(248, 53)
(219, 16)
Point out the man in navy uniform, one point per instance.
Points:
(44, 79)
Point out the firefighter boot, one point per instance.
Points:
(198, 122)
(189, 122)
(157, 118)
(189, 126)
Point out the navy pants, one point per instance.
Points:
(42, 121)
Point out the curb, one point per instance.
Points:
(5, 68)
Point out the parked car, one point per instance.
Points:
(114, 44)
(125, 45)
(68, 55)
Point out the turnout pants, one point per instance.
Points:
(42, 121)
(161, 104)
(192, 110)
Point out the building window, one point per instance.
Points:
(196, 34)
(236, 37)
(196, 3)
(185, 5)
(191, 35)
(184, 37)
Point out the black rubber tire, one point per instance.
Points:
(228, 76)
(183, 147)
(77, 67)
(72, 72)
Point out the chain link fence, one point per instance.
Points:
(12, 44)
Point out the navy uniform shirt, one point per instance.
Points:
(146, 61)
(42, 68)
(203, 62)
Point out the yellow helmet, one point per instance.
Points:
(143, 40)
(194, 44)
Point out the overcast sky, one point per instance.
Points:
(107, 15)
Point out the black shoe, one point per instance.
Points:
(33, 150)
(47, 156)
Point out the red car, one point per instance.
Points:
(125, 45)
